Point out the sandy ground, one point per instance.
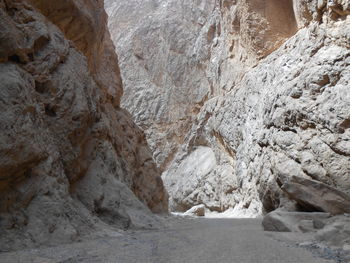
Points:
(183, 240)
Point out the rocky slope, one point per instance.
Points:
(236, 97)
(72, 162)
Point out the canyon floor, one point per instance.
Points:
(185, 240)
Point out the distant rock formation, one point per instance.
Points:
(234, 94)
(72, 162)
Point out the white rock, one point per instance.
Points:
(198, 210)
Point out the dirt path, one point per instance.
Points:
(185, 240)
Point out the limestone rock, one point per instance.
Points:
(197, 168)
(312, 194)
(72, 162)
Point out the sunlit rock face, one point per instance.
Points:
(175, 55)
(236, 96)
(72, 162)
(164, 50)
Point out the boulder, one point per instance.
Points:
(198, 210)
(282, 221)
(314, 195)
(326, 230)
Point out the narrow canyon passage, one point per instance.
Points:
(129, 127)
(182, 241)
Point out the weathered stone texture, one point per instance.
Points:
(71, 161)
(261, 86)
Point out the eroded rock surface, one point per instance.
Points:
(175, 55)
(261, 88)
(72, 162)
(164, 50)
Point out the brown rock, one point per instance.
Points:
(87, 28)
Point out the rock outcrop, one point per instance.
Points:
(259, 89)
(72, 162)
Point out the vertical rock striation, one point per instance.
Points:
(72, 162)
(263, 87)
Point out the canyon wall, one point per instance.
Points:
(163, 51)
(175, 55)
(72, 162)
(236, 97)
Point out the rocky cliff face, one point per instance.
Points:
(236, 97)
(164, 52)
(175, 55)
(72, 162)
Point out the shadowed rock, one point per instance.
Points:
(282, 221)
(314, 195)
(72, 162)
(336, 232)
